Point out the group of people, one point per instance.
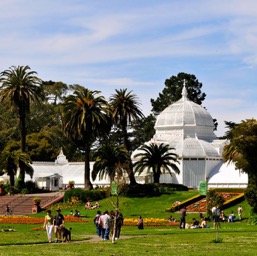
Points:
(76, 213)
(105, 222)
(197, 224)
(217, 216)
(54, 224)
(89, 206)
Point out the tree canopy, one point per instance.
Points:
(110, 160)
(85, 117)
(21, 86)
(242, 152)
(125, 108)
(173, 89)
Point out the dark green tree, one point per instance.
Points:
(173, 89)
(9, 125)
(55, 91)
(124, 109)
(142, 130)
(242, 152)
(85, 117)
(20, 87)
(11, 161)
(156, 157)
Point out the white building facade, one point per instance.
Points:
(189, 129)
(185, 126)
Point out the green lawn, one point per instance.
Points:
(234, 238)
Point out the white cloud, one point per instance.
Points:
(112, 44)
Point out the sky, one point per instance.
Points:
(138, 44)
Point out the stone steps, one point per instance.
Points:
(23, 204)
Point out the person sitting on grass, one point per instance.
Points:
(76, 213)
(88, 205)
(195, 224)
(231, 217)
(222, 216)
(95, 206)
(204, 223)
(171, 219)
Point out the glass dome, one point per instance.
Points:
(184, 113)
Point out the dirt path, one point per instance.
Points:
(97, 239)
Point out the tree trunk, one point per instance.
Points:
(22, 115)
(156, 176)
(132, 179)
(87, 183)
(11, 180)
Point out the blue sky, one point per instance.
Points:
(137, 44)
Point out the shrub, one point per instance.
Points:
(214, 199)
(24, 191)
(85, 195)
(37, 200)
(251, 197)
(253, 218)
(150, 189)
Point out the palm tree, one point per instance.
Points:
(156, 157)
(20, 87)
(85, 117)
(125, 109)
(110, 160)
(11, 161)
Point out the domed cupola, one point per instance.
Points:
(185, 118)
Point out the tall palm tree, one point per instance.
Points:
(85, 117)
(109, 160)
(11, 161)
(158, 158)
(20, 87)
(125, 109)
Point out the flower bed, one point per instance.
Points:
(34, 220)
(200, 206)
(150, 222)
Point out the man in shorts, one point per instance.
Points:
(58, 223)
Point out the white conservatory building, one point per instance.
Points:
(185, 126)
(189, 129)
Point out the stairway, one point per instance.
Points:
(23, 204)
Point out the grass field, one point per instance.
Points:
(237, 238)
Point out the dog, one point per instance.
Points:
(66, 234)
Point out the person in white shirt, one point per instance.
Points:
(239, 212)
(105, 222)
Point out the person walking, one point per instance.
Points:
(8, 210)
(182, 224)
(97, 223)
(58, 222)
(239, 212)
(214, 216)
(140, 222)
(105, 221)
(48, 225)
(119, 223)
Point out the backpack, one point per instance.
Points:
(96, 219)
